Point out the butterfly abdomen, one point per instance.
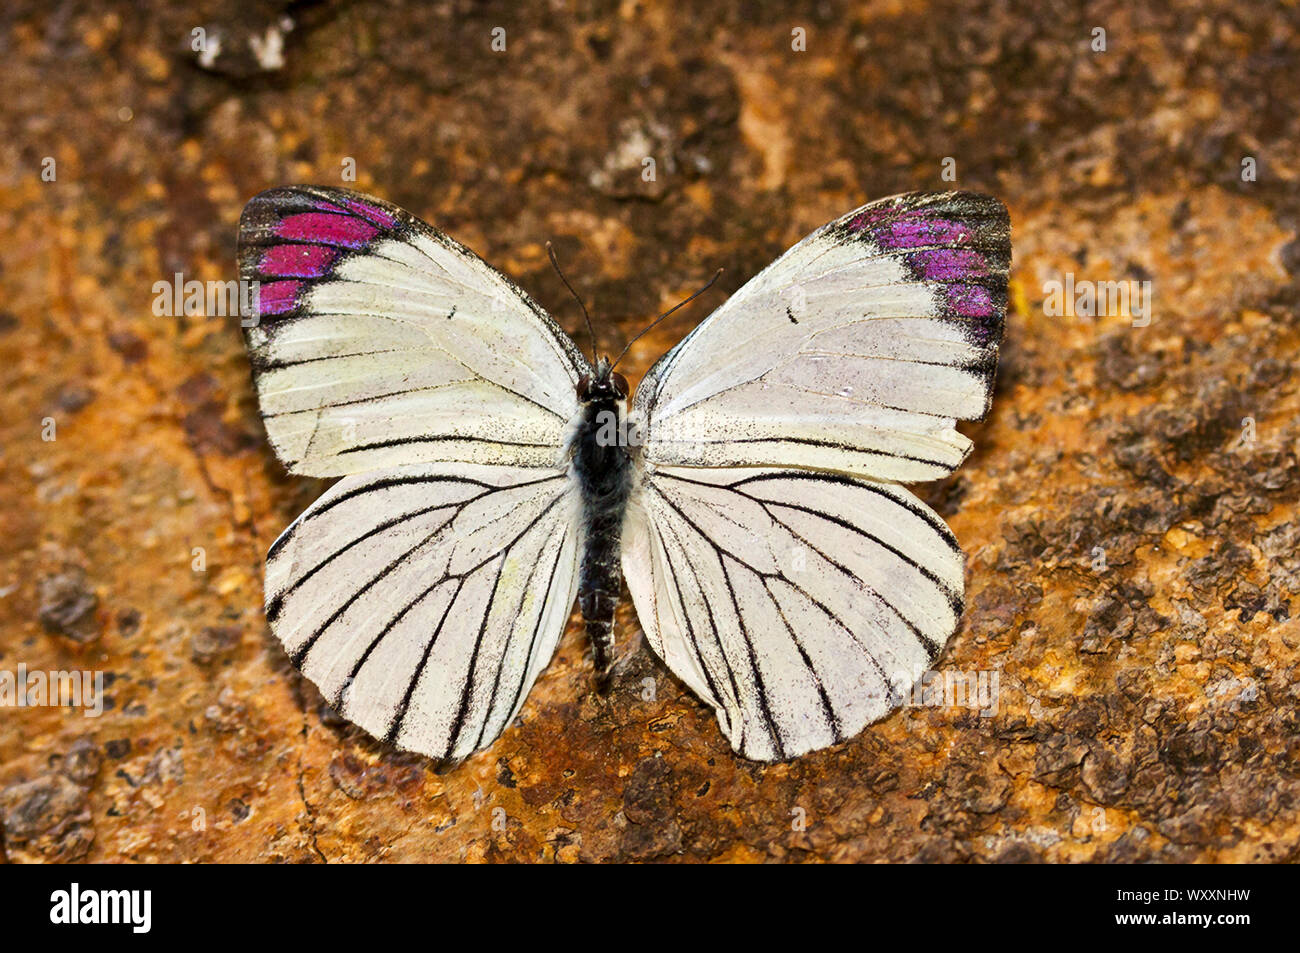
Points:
(603, 469)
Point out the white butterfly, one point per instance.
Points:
(751, 496)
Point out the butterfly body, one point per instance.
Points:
(601, 465)
(751, 496)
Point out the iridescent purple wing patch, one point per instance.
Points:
(291, 238)
(961, 241)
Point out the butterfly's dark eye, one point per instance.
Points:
(584, 385)
(620, 384)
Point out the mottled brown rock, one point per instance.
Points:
(213, 641)
(46, 819)
(1129, 512)
(67, 606)
(82, 761)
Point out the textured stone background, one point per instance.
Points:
(1148, 707)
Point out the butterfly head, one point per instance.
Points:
(603, 384)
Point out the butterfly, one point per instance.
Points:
(750, 495)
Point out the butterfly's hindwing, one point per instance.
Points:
(380, 341)
(424, 600)
(799, 605)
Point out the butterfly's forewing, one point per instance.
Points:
(379, 341)
(424, 600)
(774, 563)
(855, 351)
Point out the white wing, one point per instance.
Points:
(424, 600)
(775, 565)
(854, 351)
(796, 604)
(380, 341)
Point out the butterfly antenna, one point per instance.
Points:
(717, 274)
(585, 316)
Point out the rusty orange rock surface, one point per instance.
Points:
(1129, 514)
